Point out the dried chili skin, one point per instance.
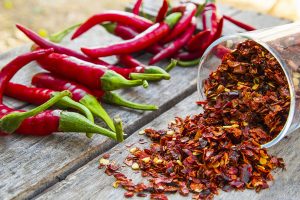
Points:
(249, 89)
(221, 148)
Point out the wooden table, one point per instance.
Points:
(64, 166)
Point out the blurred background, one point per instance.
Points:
(46, 17)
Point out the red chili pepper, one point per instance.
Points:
(136, 7)
(220, 51)
(176, 45)
(123, 17)
(84, 95)
(213, 19)
(43, 80)
(239, 24)
(126, 32)
(129, 62)
(218, 33)
(39, 96)
(36, 122)
(162, 11)
(179, 8)
(183, 23)
(199, 41)
(120, 30)
(89, 74)
(41, 42)
(201, 103)
(150, 36)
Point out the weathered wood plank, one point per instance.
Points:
(30, 165)
(89, 182)
(48, 160)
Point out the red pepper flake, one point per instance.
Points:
(158, 197)
(128, 194)
(219, 149)
(106, 156)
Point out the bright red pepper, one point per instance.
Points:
(218, 33)
(147, 38)
(84, 95)
(89, 74)
(106, 78)
(126, 33)
(39, 96)
(36, 122)
(137, 7)
(123, 17)
(162, 11)
(176, 45)
(239, 24)
(42, 43)
(183, 23)
(199, 41)
(129, 62)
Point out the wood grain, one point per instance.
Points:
(29, 165)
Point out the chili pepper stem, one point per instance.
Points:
(151, 73)
(113, 98)
(74, 122)
(145, 84)
(70, 103)
(113, 81)
(110, 27)
(59, 36)
(119, 129)
(170, 66)
(96, 108)
(190, 63)
(12, 121)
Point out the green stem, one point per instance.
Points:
(113, 81)
(74, 122)
(172, 19)
(200, 8)
(110, 27)
(190, 63)
(12, 121)
(151, 73)
(59, 36)
(113, 98)
(67, 102)
(170, 66)
(145, 84)
(148, 77)
(119, 129)
(96, 108)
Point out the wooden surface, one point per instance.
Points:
(64, 166)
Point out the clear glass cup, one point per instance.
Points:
(281, 41)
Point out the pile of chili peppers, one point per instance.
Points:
(247, 105)
(173, 33)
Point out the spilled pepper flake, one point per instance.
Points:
(219, 149)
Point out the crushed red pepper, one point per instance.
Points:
(219, 149)
(249, 90)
